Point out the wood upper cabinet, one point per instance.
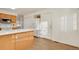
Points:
(7, 42)
(2, 15)
(12, 17)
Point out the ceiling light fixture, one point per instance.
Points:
(13, 8)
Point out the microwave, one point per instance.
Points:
(5, 20)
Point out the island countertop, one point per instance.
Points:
(7, 32)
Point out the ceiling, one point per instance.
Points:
(25, 11)
(22, 10)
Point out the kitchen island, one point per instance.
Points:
(20, 39)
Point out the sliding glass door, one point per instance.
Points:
(44, 26)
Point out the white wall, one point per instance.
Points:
(54, 16)
(69, 36)
(78, 20)
(29, 22)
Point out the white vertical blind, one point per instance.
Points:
(44, 28)
(64, 23)
(74, 22)
(69, 23)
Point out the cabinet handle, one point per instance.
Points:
(16, 37)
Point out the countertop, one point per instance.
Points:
(6, 32)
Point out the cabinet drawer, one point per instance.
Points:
(25, 34)
(22, 34)
(30, 33)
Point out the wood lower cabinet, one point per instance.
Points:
(24, 41)
(7, 42)
(19, 41)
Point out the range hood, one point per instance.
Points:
(5, 20)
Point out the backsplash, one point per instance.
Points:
(6, 26)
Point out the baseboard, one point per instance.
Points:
(44, 37)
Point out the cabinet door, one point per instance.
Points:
(13, 18)
(7, 42)
(24, 42)
(21, 43)
(1, 15)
